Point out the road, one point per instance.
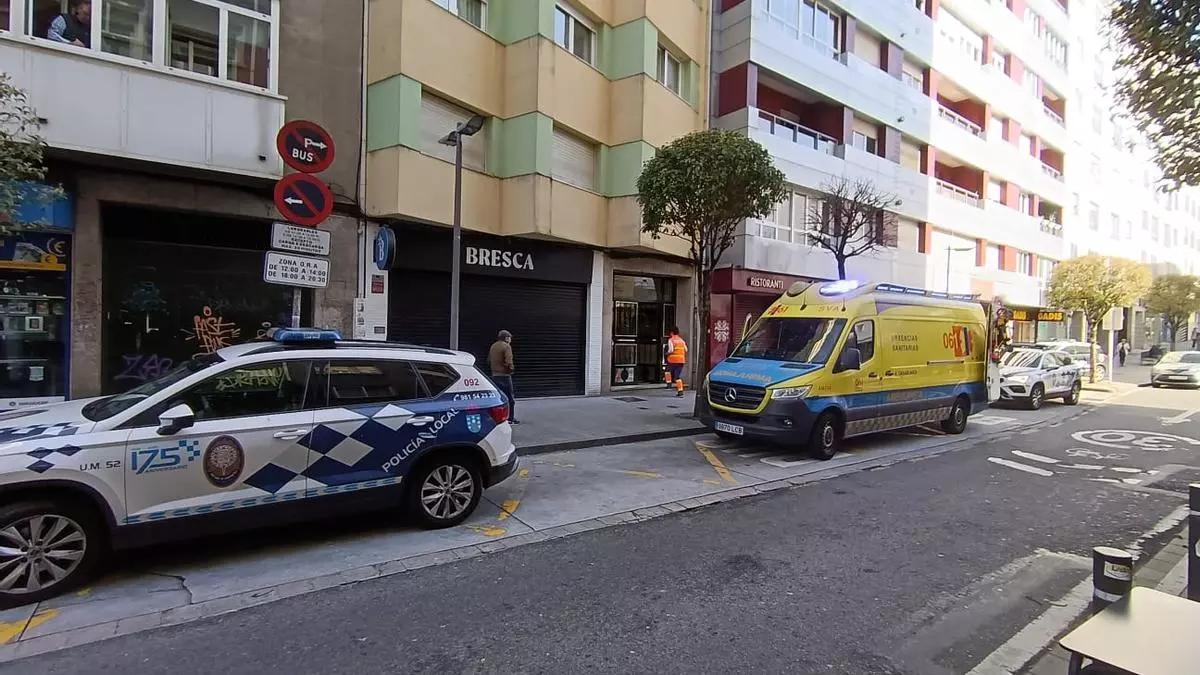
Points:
(922, 566)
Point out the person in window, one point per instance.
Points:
(74, 27)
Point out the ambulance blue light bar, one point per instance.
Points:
(840, 287)
(294, 335)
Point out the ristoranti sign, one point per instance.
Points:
(729, 280)
(765, 283)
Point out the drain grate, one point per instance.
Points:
(631, 399)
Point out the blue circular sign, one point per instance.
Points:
(385, 248)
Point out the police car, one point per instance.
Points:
(300, 425)
(1034, 375)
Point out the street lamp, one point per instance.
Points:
(949, 250)
(468, 128)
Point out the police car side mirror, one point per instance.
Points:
(851, 359)
(175, 420)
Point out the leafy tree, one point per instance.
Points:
(1176, 297)
(22, 149)
(700, 188)
(852, 219)
(1095, 285)
(1158, 62)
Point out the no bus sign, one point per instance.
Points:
(305, 146)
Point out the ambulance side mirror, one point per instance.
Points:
(851, 359)
(175, 420)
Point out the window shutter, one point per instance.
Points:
(438, 118)
(574, 160)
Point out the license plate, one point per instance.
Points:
(1177, 377)
(734, 429)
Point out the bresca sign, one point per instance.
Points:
(295, 270)
(287, 237)
(428, 249)
(497, 257)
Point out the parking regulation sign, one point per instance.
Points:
(305, 146)
(308, 240)
(303, 199)
(295, 270)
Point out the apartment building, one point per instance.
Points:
(576, 95)
(161, 118)
(958, 108)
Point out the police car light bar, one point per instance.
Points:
(291, 335)
(909, 290)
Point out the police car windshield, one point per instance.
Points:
(795, 340)
(111, 405)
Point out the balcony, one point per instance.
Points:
(795, 133)
(1050, 227)
(1058, 119)
(960, 121)
(1052, 172)
(957, 193)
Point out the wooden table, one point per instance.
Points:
(1147, 632)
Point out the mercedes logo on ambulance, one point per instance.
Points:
(730, 395)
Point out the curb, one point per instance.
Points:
(527, 450)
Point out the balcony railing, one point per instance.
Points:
(1054, 115)
(1052, 172)
(913, 81)
(1050, 227)
(960, 121)
(960, 194)
(796, 133)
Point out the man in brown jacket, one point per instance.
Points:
(500, 358)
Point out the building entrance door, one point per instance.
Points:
(643, 314)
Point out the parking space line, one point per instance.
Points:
(1036, 458)
(717, 464)
(641, 474)
(11, 630)
(1020, 467)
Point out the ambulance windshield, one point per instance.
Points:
(795, 340)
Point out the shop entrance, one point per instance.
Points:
(643, 314)
(33, 318)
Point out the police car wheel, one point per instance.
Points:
(46, 548)
(956, 423)
(1036, 396)
(1073, 397)
(445, 490)
(822, 444)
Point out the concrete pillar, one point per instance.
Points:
(1012, 131)
(932, 78)
(925, 238)
(981, 252)
(1016, 69)
(1011, 195)
(928, 160)
(931, 8)
(891, 143)
(849, 32)
(893, 60)
(87, 319)
(989, 46)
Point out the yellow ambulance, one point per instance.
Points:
(828, 361)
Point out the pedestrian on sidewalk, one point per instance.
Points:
(676, 357)
(1123, 350)
(500, 358)
(1195, 340)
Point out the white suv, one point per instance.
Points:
(300, 426)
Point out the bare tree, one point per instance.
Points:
(852, 219)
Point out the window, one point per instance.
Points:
(862, 336)
(438, 118)
(1116, 226)
(1000, 61)
(865, 143)
(992, 254)
(1026, 144)
(574, 160)
(128, 27)
(791, 220)
(1094, 217)
(821, 27)
(257, 389)
(377, 381)
(668, 69)
(1025, 203)
(194, 36)
(1033, 84)
(995, 191)
(197, 31)
(960, 36)
(574, 33)
(438, 377)
(473, 12)
(248, 44)
(1025, 263)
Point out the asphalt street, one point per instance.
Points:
(920, 567)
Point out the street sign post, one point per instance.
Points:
(308, 240)
(305, 146)
(295, 270)
(303, 199)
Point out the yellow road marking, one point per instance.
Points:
(717, 464)
(508, 508)
(712, 482)
(523, 473)
(13, 629)
(643, 474)
(488, 530)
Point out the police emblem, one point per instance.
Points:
(224, 461)
(474, 423)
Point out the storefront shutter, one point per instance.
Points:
(574, 160)
(438, 118)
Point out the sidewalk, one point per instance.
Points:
(553, 424)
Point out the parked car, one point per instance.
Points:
(1081, 356)
(1176, 369)
(301, 426)
(1034, 375)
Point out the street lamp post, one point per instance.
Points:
(454, 138)
(949, 250)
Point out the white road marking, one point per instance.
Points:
(1020, 467)
(1085, 467)
(1125, 469)
(992, 420)
(1105, 480)
(1122, 439)
(1132, 481)
(785, 463)
(1036, 458)
(1180, 418)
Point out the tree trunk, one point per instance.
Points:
(1094, 349)
(841, 262)
(700, 339)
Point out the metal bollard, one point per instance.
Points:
(1112, 576)
(1193, 552)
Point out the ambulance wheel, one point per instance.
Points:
(826, 433)
(1037, 396)
(956, 423)
(1073, 397)
(47, 547)
(444, 490)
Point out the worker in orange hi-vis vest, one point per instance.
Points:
(676, 357)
